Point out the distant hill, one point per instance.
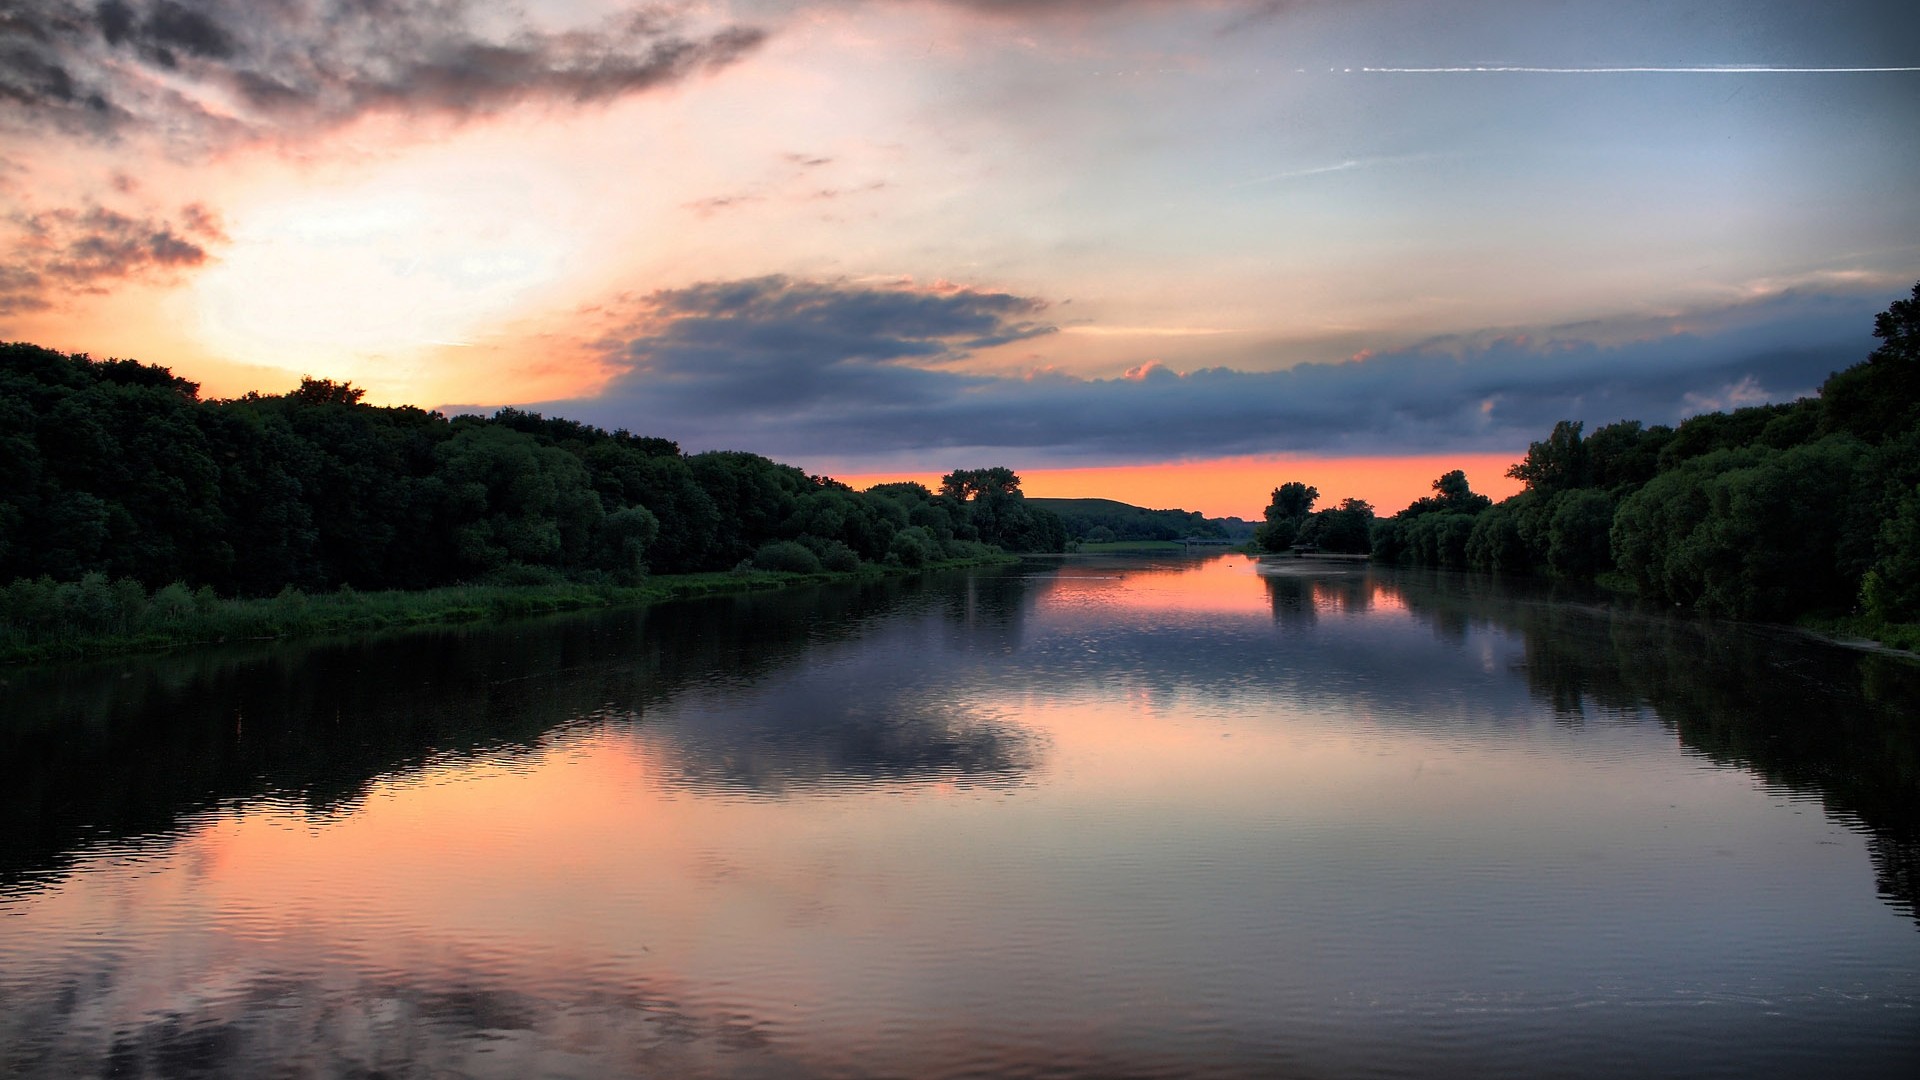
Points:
(1124, 521)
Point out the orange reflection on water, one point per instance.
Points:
(1222, 585)
(1225, 585)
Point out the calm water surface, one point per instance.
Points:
(1085, 817)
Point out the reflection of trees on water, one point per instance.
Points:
(110, 752)
(1808, 717)
(1299, 594)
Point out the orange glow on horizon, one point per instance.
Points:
(1240, 487)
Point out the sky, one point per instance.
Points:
(1169, 252)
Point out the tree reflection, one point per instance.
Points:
(1298, 590)
(1802, 715)
(115, 752)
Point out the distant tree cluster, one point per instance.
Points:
(1291, 523)
(119, 469)
(1105, 520)
(1767, 512)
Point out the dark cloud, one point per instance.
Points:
(811, 370)
(216, 70)
(783, 346)
(59, 252)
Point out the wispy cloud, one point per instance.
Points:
(1096, 330)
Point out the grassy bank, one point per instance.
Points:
(46, 620)
(1855, 629)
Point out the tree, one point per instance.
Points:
(1879, 398)
(1577, 534)
(1292, 501)
(1347, 528)
(965, 484)
(1452, 495)
(1557, 464)
(312, 391)
(1286, 514)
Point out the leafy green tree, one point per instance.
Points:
(912, 546)
(1345, 529)
(1557, 464)
(1890, 590)
(1495, 544)
(1286, 514)
(1879, 399)
(312, 391)
(965, 484)
(1578, 544)
(511, 500)
(1754, 533)
(1624, 455)
(622, 541)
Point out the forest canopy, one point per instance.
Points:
(120, 469)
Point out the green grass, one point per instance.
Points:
(44, 620)
(1892, 635)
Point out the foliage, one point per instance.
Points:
(1434, 530)
(1111, 521)
(119, 469)
(1346, 528)
(1555, 464)
(1286, 515)
(1800, 510)
(786, 556)
(1880, 399)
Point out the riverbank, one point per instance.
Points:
(1856, 632)
(43, 620)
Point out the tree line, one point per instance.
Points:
(1105, 520)
(1768, 512)
(119, 472)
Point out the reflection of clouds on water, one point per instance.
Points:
(598, 845)
(864, 718)
(94, 1022)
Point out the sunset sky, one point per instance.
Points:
(1170, 252)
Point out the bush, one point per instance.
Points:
(171, 606)
(840, 558)
(1495, 543)
(513, 574)
(788, 556)
(1578, 534)
(911, 546)
(1891, 590)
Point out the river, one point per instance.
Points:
(1077, 817)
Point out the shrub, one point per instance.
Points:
(912, 546)
(840, 558)
(522, 574)
(788, 556)
(171, 606)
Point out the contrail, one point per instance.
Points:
(1295, 174)
(1717, 70)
